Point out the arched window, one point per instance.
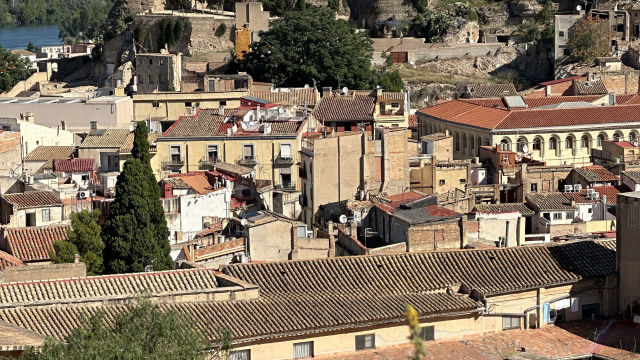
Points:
(520, 144)
(632, 136)
(536, 144)
(486, 142)
(616, 137)
(600, 139)
(584, 141)
(553, 143)
(472, 142)
(457, 142)
(464, 142)
(568, 142)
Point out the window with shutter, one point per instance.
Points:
(240, 355)
(285, 151)
(176, 156)
(247, 152)
(510, 322)
(212, 153)
(427, 333)
(303, 350)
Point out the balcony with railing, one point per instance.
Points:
(285, 187)
(173, 161)
(284, 160)
(247, 160)
(208, 161)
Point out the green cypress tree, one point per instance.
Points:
(135, 232)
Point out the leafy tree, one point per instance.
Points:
(389, 81)
(411, 315)
(589, 39)
(302, 4)
(13, 69)
(279, 7)
(135, 232)
(140, 331)
(528, 31)
(84, 239)
(31, 47)
(311, 45)
(84, 23)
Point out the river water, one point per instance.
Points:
(14, 38)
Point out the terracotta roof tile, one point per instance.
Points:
(596, 173)
(120, 285)
(413, 122)
(291, 97)
(633, 175)
(127, 145)
(550, 202)
(591, 87)
(105, 138)
(74, 165)
(34, 243)
(7, 260)
(49, 153)
(33, 199)
(522, 208)
(491, 90)
(345, 108)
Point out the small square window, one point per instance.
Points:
(303, 350)
(223, 103)
(156, 104)
(240, 355)
(395, 104)
(534, 187)
(441, 182)
(427, 333)
(46, 215)
(557, 216)
(365, 342)
(590, 211)
(561, 33)
(463, 181)
(187, 104)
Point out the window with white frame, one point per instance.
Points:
(240, 355)
(364, 342)
(557, 216)
(303, 350)
(176, 154)
(570, 215)
(212, 153)
(285, 151)
(46, 215)
(510, 322)
(247, 152)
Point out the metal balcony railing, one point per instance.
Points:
(283, 159)
(173, 161)
(247, 160)
(209, 160)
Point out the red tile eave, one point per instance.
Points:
(558, 81)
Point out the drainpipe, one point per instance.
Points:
(506, 241)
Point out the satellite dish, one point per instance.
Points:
(525, 149)
(579, 7)
(131, 128)
(243, 222)
(343, 219)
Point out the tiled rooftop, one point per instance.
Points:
(596, 173)
(591, 87)
(127, 145)
(34, 243)
(74, 165)
(633, 175)
(33, 199)
(49, 153)
(291, 97)
(345, 108)
(491, 90)
(565, 341)
(482, 113)
(521, 208)
(208, 122)
(413, 122)
(105, 138)
(551, 202)
(8, 260)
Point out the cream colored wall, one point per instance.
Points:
(455, 327)
(230, 150)
(551, 157)
(172, 105)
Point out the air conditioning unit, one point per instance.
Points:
(568, 188)
(577, 188)
(590, 192)
(596, 195)
(84, 194)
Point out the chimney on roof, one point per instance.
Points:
(76, 258)
(446, 133)
(221, 111)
